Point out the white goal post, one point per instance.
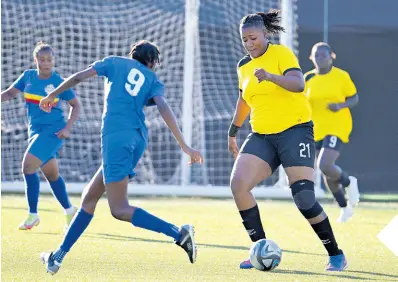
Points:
(200, 46)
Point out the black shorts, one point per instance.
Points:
(293, 147)
(330, 142)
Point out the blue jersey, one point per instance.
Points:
(129, 87)
(35, 88)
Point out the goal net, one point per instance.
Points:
(200, 47)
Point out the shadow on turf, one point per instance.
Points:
(373, 273)
(128, 238)
(25, 208)
(329, 274)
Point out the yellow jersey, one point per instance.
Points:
(273, 108)
(323, 89)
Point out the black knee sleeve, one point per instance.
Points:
(304, 197)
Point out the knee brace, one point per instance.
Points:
(304, 197)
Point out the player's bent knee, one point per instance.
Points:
(28, 169)
(326, 167)
(239, 185)
(118, 213)
(304, 197)
(53, 176)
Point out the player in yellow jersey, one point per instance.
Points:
(332, 93)
(271, 88)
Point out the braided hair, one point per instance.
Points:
(269, 21)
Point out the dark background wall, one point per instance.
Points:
(364, 35)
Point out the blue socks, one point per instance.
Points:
(145, 220)
(59, 191)
(32, 190)
(140, 218)
(76, 228)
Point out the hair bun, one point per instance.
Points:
(41, 42)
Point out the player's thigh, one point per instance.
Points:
(50, 169)
(330, 151)
(296, 150)
(116, 192)
(43, 147)
(93, 192)
(256, 161)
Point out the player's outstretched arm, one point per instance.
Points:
(8, 94)
(171, 121)
(46, 102)
(242, 111)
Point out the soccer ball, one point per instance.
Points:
(265, 255)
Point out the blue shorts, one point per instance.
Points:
(44, 146)
(121, 152)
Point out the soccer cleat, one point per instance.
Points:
(52, 265)
(68, 218)
(187, 241)
(246, 264)
(353, 191)
(337, 263)
(30, 222)
(345, 213)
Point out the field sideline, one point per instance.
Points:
(115, 251)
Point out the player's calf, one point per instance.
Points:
(304, 198)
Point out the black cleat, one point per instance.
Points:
(187, 241)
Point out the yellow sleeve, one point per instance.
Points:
(307, 77)
(287, 61)
(349, 88)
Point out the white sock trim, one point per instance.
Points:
(70, 210)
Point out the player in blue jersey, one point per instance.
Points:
(47, 131)
(131, 84)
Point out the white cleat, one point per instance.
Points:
(353, 191)
(345, 213)
(52, 266)
(32, 221)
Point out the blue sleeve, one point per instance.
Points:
(67, 95)
(157, 90)
(102, 66)
(20, 82)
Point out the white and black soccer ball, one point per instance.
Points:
(265, 255)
